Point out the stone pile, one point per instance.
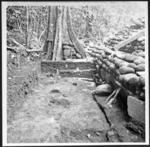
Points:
(120, 68)
(136, 46)
(69, 68)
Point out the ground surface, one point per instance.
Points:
(59, 110)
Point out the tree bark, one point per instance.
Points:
(50, 35)
(88, 28)
(57, 54)
(27, 12)
(31, 33)
(60, 31)
(78, 47)
(65, 35)
(39, 25)
(48, 26)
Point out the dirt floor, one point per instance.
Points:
(59, 110)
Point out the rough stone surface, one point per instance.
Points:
(140, 67)
(48, 66)
(142, 78)
(141, 73)
(133, 65)
(117, 117)
(130, 58)
(139, 60)
(127, 57)
(76, 73)
(104, 89)
(125, 70)
(130, 78)
(136, 109)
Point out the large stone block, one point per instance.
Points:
(104, 89)
(126, 70)
(139, 60)
(140, 67)
(48, 66)
(76, 73)
(131, 79)
(136, 109)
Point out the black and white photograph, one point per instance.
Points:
(75, 73)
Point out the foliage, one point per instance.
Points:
(108, 17)
(104, 19)
(27, 20)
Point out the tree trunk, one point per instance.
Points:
(51, 29)
(60, 31)
(31, 33)
(39, 25)
(27, 12)
(52, 32)
(48, 26)
(19, 26)
(57, 54)
(88, 29)
(78, 47)
(65, 35)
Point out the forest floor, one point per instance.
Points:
(62, 110)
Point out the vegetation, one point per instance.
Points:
(48, 28)
(109, 39)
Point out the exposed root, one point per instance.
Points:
(103, 110)
(112, 97)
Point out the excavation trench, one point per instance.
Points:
(59, 110)
(63, 110)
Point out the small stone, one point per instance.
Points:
(64, 95)
(111, 133)
(75, 84)
(85, 90)
(98, 133)
(55, 91)
(9, 78)
(142, 94)
(88, 135)
(49, 75)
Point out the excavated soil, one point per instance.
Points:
(59, 110)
